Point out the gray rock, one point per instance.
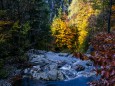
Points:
(60, 64)
(52, 74)
(40, 59)
(26, 70)
(60, 76)
(90, 49)
(45, 68)
(63, 54)
(79, 67)
(69, 74)
(31, 71)
(36, 75)
(37, 52)
(44, 76)
(41, 51)
(37, 68)
(89, 63)
(53, 66)
(66, 67)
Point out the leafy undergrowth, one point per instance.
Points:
(104, 56)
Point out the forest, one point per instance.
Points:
(37, 30)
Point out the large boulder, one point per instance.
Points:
(44, 76)
(53, 66)
(53, 74)
(39, 59)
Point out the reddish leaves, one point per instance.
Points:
(104, 56)
(81, 56)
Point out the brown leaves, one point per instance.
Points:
(104, 56)
(81, 56)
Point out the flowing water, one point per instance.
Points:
(81, 81)
(71, 76)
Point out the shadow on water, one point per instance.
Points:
(81, 81)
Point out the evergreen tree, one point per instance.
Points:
(24, 24)
(39, 21)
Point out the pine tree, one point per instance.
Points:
(39, 21)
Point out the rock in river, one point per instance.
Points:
(56, 66)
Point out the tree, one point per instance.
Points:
(39, 21)
(23, 25)
(109, 17)
(80, 17)
(65, 35)
(89, 17)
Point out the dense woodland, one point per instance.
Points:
(57, 25)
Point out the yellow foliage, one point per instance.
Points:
(80, 12)
(63, 33)
(73, 31)
(58, 28)
(2, 23)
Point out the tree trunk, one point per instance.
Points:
(109, 17)
(1, 5)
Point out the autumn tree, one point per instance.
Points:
(88, 17)
(64, 34)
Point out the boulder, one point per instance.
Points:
(79, 67)
(53, 66)
(37, 68)
(36, 75)
(63, 54)
(66, 67)
(52, 74)
(45, 68)
(27, 71)
(69, 74)
(56, 66)
(60, 75)
(89, 63)
(44, 76)
(90, 49)
(40, 60)
(60, 64)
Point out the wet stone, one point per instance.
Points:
(89, 63)
(79, 68)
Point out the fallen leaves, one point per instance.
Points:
(104, 56)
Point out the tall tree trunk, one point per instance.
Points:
(109, 17)
(1, 5)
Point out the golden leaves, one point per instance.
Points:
(2, 23)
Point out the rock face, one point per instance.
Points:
(56, 66)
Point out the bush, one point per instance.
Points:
(3, 73)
